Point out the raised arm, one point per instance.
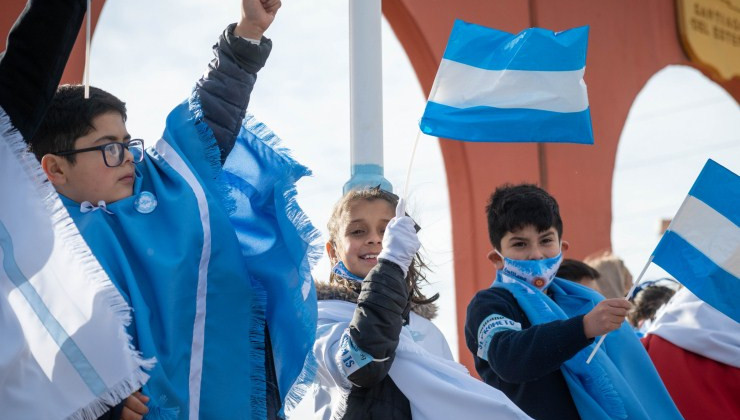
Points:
(31, 67)
(226, 86)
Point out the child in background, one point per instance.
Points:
(379, 356)
(579, 272)
(615, 280)
(531, 333)
(648, 297)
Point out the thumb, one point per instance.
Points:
(401, 207)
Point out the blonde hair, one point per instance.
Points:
(418, 266)
(615, 280)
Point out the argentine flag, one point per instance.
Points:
(64, 350)
(493, 86)
(701, 247)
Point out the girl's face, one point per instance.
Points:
(360, 236)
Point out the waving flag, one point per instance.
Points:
(64, 352)
(701, 247)
(493, 86)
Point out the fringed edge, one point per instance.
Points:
(286, 187)
(257, 375)
(158, 411)
(302, 384)
(266, 142)
(76, 245)
(211, 151)
(306, 231)
(111, 397)
(270, 140)
(338, 410)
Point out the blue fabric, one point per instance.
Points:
(710, 282)
(719, 188)
(538, 273)
(278, 246)
(489, 124)
(534, 49)
(342, 271)
(154, 260)
(621, 381)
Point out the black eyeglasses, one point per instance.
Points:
(113, 152)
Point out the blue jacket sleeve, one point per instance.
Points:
(39, 45)
(227, 84)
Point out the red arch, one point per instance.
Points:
(629, 42)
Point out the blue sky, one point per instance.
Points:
(151, 53)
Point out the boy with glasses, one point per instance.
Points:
(174, 227)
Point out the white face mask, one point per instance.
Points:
(538, 273)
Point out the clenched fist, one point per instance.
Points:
(607, 316)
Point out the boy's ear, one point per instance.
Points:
(564, 245)
(496, 259)
(54, 169)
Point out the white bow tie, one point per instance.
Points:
(86, 207)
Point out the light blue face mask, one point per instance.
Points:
(538, 273)
(341, 270)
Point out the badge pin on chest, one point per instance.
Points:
(145, 203)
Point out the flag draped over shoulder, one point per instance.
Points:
(493, 86)
(64, 351)
(701, 247)
(279, 248)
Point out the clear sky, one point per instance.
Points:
(150, 53)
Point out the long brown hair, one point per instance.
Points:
(416, 273)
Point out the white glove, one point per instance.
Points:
(400, 242)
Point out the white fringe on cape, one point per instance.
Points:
(65, 352)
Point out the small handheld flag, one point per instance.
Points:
(493, 86)
(701, 247)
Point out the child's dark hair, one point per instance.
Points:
(513, 207)
(575, 270)
(70, 117)
(418, 266)
(647, 302)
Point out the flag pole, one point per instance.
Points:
(366, 96)
(629, 295)
(413, 150)
(87, 49)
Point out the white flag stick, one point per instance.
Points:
(413, 151)
(408, 172)
(629, 295)
(87, 49)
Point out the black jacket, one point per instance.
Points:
(39, 44)
(383, 307)
(525, 364)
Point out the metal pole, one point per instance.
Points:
(366, 95)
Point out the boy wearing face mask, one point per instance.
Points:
(530, 333)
